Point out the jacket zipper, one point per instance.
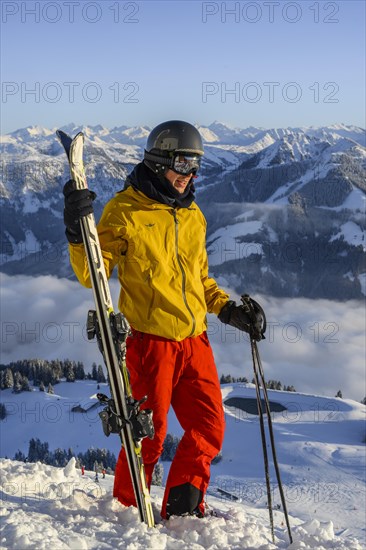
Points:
(183, 274)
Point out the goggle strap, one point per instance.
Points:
(158, 159)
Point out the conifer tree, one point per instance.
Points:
(94, 372)
(158, 474)
(25, 384)
(79, 371)
(8, 380)
(2, 411)
(17, 387)
(70, 373)
(100, 375)
(20, 456)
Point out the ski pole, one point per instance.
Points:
(264, 443)
(249, 305)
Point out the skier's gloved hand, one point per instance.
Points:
(78, 203)
(238, 317)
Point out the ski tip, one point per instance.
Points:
(60, 134)
(65, 141)
(79, 135)
(69, 143)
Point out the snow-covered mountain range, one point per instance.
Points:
(285, 207)
(320, 444)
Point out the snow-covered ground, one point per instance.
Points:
(45, 507)
(320, 445)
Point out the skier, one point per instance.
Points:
(155, 233)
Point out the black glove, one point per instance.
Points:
(78, 203)
(239, 317)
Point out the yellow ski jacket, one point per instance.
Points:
(162, 264)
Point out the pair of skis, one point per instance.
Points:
(122, 414)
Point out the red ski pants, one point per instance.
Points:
(182, 374)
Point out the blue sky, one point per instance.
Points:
(255, 63)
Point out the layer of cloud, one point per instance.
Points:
(316, 345)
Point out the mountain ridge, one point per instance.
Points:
(312, 179)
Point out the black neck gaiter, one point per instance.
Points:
(158, 188)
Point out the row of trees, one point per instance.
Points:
(92, 459)
(270, 384)
(43, 373)
(228, 379)
(39, 451)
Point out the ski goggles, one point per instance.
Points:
(186, 164)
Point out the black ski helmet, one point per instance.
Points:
(169, 138)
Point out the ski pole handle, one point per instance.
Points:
(253, 309)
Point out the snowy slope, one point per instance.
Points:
(50, 418)
(320, 447)
(45, 507)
